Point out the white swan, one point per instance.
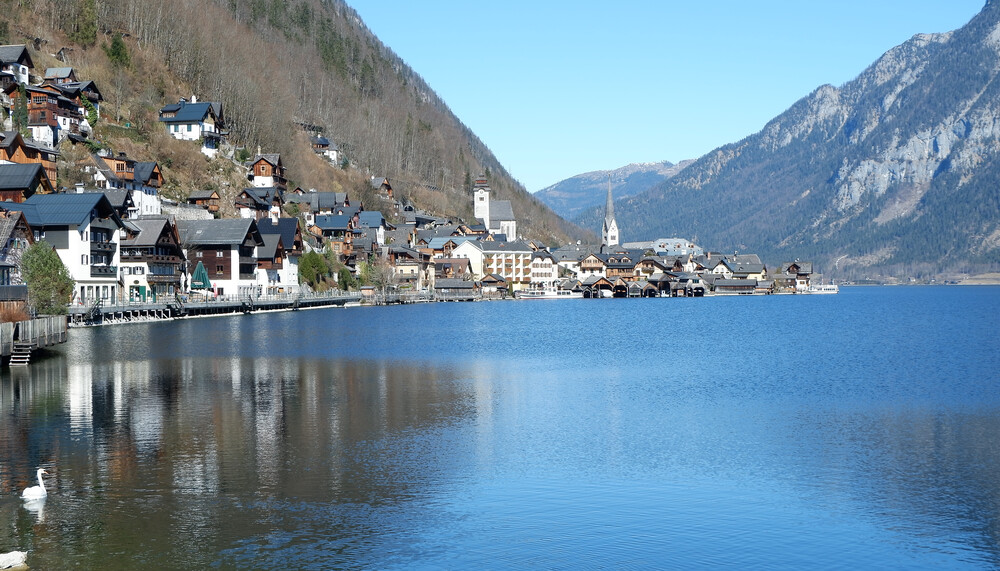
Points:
(35, 492)
(13, 559)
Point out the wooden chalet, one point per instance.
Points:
(19, 182)
(267, 170)
(16, 149)
(207, 199)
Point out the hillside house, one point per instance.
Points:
(15, 64)
(382, 185)
(121, 172)
(16, 149)
(51, 115)
(267, 171)
(19, 182)
(259, 202)
(207, 199)
(194, 121)
(323, 147)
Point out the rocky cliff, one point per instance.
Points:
(895, 172)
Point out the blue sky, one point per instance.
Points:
(557, 88)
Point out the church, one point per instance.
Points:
(496, 215)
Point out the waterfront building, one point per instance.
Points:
(84, 230)
(227, 248)
(151, 260)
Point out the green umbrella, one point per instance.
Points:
(199, 280)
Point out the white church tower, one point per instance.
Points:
(609, 231)
(481, 200)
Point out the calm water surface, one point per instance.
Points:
(859, 430)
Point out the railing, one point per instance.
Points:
(99, 246)
(13, 293)
(103, 271)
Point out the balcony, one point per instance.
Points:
(13, 293)
(101, 247)
(103, 271)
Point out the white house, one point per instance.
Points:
(227, 250)
(194, 121)
(84, 230)
(16, 61)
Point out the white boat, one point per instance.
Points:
(824, 288)
(548, 294)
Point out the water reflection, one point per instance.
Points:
(197, 450)
(195, 444)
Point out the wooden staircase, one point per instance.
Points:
(21, 354)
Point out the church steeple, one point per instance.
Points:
(609, 231)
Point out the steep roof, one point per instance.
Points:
(149, 231)
(220, 232)
(270, 248)
(19, 176)
(501, 210)
(58, 72)
(333, 222)
(142, 172)
(286, 227)
(371, 218)
(274, 159)
(16, 53)
(64, 209)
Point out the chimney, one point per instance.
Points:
(79, 188)
(194, 99)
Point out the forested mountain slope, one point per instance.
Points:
(275, 65)
(896, 172)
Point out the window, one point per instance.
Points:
(220, 254)
(218, 270)
(83, 259)
(189, 128)
(199, 254)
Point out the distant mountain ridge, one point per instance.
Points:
(569, 197)
(894, 173)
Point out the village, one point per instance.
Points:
(123, 244)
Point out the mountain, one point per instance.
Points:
(894, 173)
(569, 197)
(276, 67)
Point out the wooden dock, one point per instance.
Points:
(20, 338)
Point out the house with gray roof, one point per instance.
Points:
(15, 63)
(266, 170)
(194, 121)
(19, 182)
(152, 260)
(227, 249)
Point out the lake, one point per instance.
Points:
(837, 431)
